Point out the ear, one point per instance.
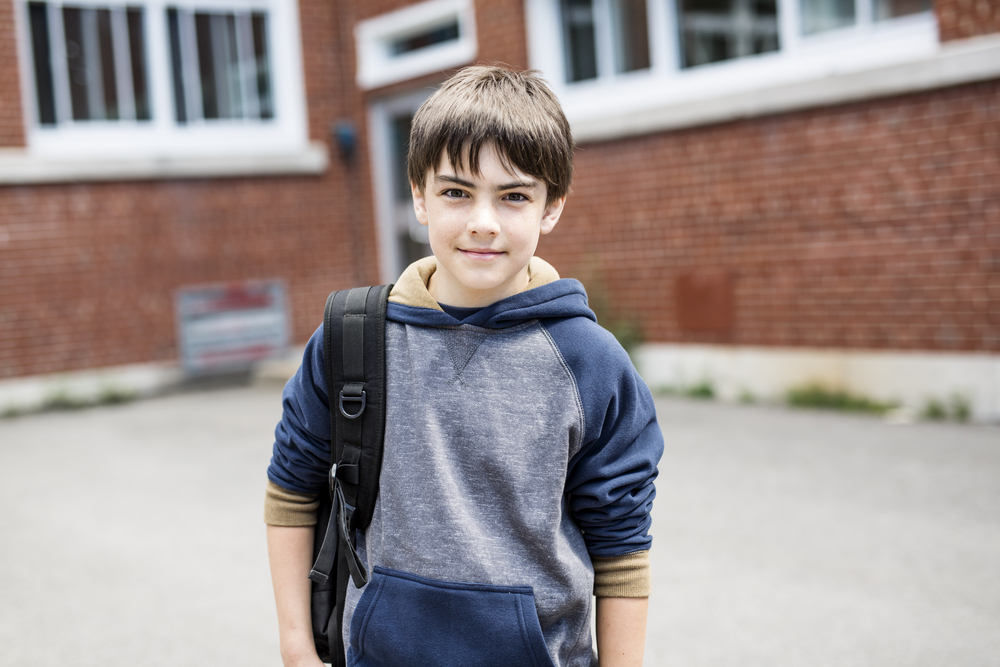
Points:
(551, 214)
(419, 205)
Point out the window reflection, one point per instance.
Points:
(716, 30)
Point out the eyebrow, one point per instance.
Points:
(513, 185)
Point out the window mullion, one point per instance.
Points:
(864, 12)
(743, 20)
(664, 43)
(604, 39)
(60, 68)
(123, 63)
(189, 65)
(789, 26)
(158, 68)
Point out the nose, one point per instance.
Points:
(484, 219)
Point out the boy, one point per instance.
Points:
(520, 444)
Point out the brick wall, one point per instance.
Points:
(88, 271)
(501, 33)
(869, 225)
(958, 19)
(11, 119)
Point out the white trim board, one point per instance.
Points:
(21, 167)
(908, 378)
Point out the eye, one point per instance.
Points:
(515, 197)
(453, 193)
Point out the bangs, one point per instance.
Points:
(515, 112)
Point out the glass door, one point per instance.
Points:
(402, 240)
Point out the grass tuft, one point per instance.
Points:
(817, 396)
(957, 409)
(62, 400)
(702, 390)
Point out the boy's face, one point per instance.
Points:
(483, 228)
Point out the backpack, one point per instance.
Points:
(354, 356)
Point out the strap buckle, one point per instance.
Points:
(363, 399)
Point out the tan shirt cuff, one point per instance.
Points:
(287, 508)
(622, 576)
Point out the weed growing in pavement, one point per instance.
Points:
(63, 400)
(957, 409)
(10, 412)
(702, 390)
(934, 410)
(115, 395)
(818, 396)
(960, 408)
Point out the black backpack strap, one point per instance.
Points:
(322, 567)
(354, 356)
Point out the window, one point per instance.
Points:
(887, 9)
(145, 88)
(418, 39)
(714, 30)
(579, 38)
(625, 67)
(631, 32)
(608, 35)
(446, 32)
(823, 15)
(219, 65)
(89, 62)
(606, 39)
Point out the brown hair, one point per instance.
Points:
(515, 110)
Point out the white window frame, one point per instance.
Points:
(863, 60)
(373, 38)
(161, 147)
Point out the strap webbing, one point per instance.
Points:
(354, 366)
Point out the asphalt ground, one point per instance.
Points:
(132, 535)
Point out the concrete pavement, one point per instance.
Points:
(132, 535)
(812, 539)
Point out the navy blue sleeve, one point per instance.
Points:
(609, 483)
(301, 457)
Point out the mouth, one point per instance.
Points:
(475, 253)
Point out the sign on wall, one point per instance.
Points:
(230, 326)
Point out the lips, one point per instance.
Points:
(484, 253)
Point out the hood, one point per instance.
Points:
(546, 296)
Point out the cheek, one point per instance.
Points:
(524, 230)
(443, 228)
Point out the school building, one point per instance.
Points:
(775, 193)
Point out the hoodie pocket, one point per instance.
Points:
(403, 619)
